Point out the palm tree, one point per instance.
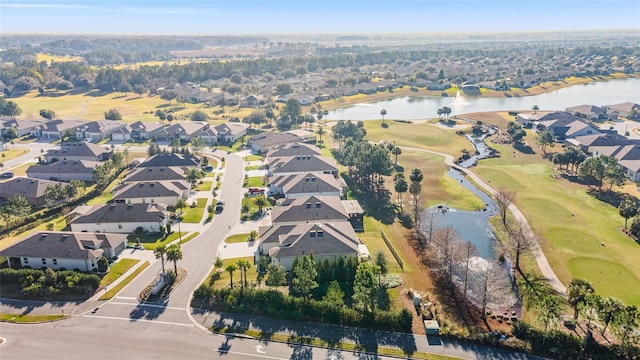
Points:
(396, 151)
(609, 310)
(383, 112)
(231, 268)
(218, 264)
(243, 265)
(159, 252)
(579, 289)
(253, 235)
(260, 202)
(401, 187)
(174, 253)
(326, 114)
(535, 108)
(193, 175)
(440, 112)
(320, 132)
(180, 204)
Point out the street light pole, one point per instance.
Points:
(179, 231)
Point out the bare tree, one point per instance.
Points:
(446, 245)
(490, 286)
(468, 251)
(416, 201)
(504, 198)
(430, 225)
(520, 242)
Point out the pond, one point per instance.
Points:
(422, 107)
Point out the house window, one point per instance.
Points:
(153, 201)
(44, 261)
(93, 263)
(55, 261)
(25, 260)
(119, 226)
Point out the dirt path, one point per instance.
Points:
(543, 264)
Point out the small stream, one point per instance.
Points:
(474, 227)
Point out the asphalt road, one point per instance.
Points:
(77, 338)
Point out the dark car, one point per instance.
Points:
(6, 175)
(208, 168)
(219, 206)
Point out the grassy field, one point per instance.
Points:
(13, 153)
(558, 211)
(119, 268)
(25, 319)
(152, 240)
(221, 279)
(194, 214)
(253, 181)
(116, 289)
(205, 186)
(237, 238)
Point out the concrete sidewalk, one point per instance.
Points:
(371, 339)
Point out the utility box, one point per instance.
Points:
(432, 327)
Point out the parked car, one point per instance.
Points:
(255, 191)
(6, 175)
(208, 168)
(219, 206)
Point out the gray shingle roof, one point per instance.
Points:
(306, 183)
(170, 160)
(303, 163)
(294, 149)
(27, 187)
(155, 174)
(64, 167)
(310, 208)
(122, 213)
(316, 238)
(78, 149)
(64, 245)
(152, 189)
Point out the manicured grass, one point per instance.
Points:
(191, 236)
(222, 279)
(116, 289)
(375, 244)
(237, 238)
(252, 167)
(205, 186)
(119, 268)
(570, 223)
(253, 157)
(418, 135)
(253, 181)
(24, 319)
(11, 153)
(194, 214)
(152, 240)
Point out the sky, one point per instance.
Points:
(211, 17)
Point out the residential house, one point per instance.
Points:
(64, 250)
(628, 109)
(159, 173)
(65, 170)
(283, 243)
(266, 141)
(122, 134)
(22, 127)
(145, 130)
(250, 101)
(527, 120)
(98, 130)
(153, 192)
(230, 132)
(470, 88)
(589, 112)
(564, 125)
(597, 144)
(302, 164)
(79, 151)
(293, 149)
(165, 160)
(121, 218)
(300, 185)
(182, 130)
(32, 189)
(629, 159)
(55, 129)
(301, 210)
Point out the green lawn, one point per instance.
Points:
(237, 238)
(194, 214)
(116, 289)
(152, 240)
(252, 167)
(191, 236)
(24, 319)
(222, 279)
(253, 157)
(205, 186)
(11, 153)
(119, 268)
(253, 181)
(571, 224)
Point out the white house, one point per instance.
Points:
(121, 218)
(152, 192)
(308, 209)
(64, 250)
(307, 184)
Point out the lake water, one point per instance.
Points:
(421, 107)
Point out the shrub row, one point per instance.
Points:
(38, 283)
(276, 304)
